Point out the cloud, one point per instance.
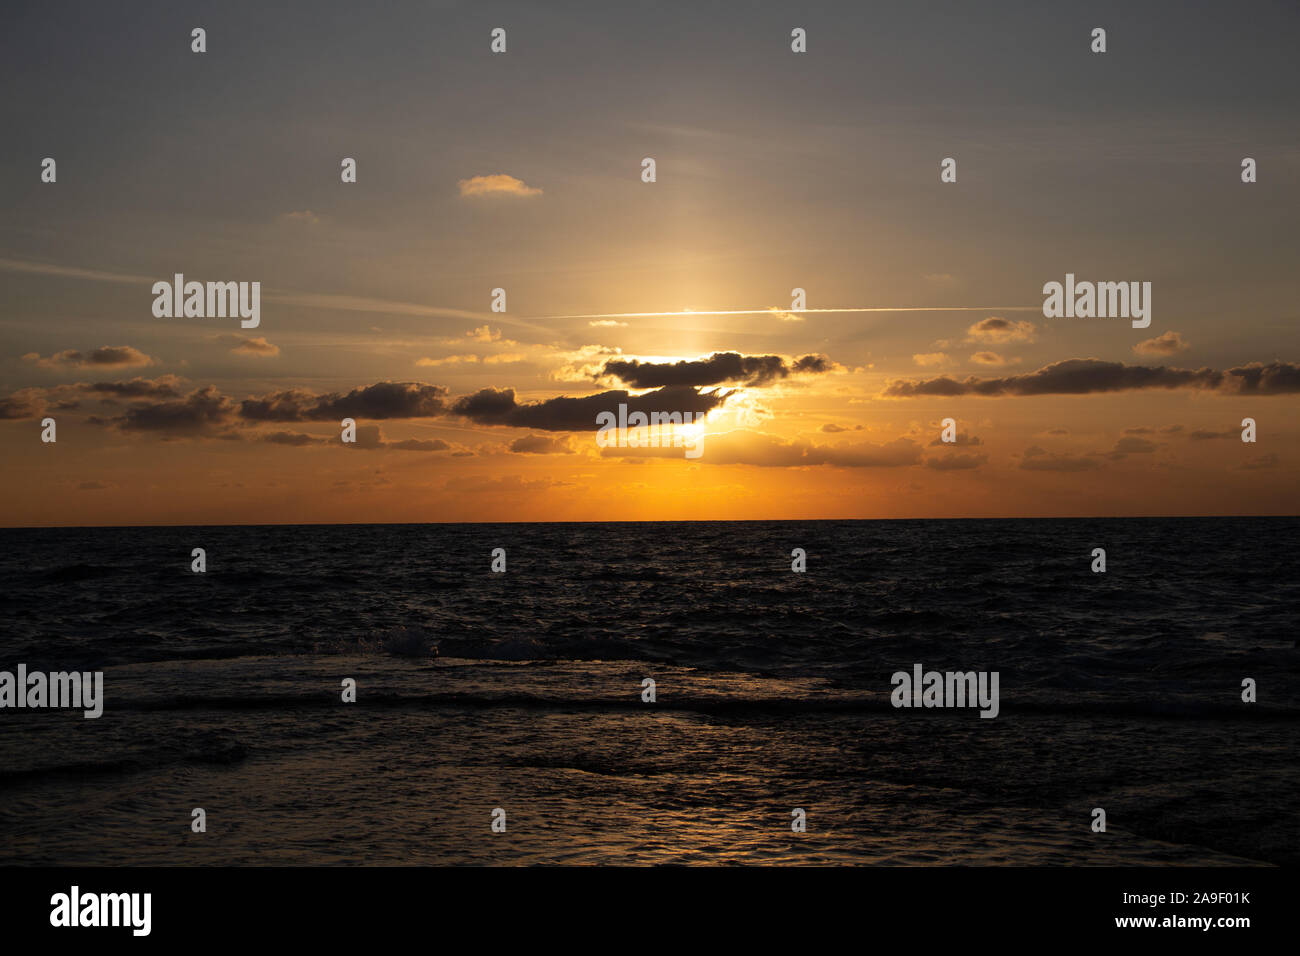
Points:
(164, 386)
(449, 360)
(107, 356)
(942, 279)
(812, 364)
(1148, 430)
(1204, 434)
(371, 438)
(1166, 344)
(962, 438)
(24, 403)
(746, 447)
(1036, 459)
(367, 438)
(1074, 377)
(381, 400)
(956, 462)
(303, 217)
(1132, 445)
(1275, 378)
(607, 324)
(785, 316)
(30, 402)
(256, 346)
(491, 406)
(419, 444)
(929, 359)
(719, 368)
(485, 333)
(992, 358)
(540, 445)
(1260, 462)
(201, 412)
(831, 428)
(497, 184)
(996, 330)
(295, 439)
(504, 485)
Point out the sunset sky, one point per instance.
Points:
(522, 171)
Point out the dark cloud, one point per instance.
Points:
(962, 438)
(1070, 377)
(165, 386)
(1132, 445)
(198, 413)
(24, 403)
(367, 438)
(107, 356)
(491, 406)
(540, 445)
(383, 400)
(371, 438)
(248, 345)
(1275, 378)
(718, 369)
(1085, 376)
(812, 364)
(998, 330)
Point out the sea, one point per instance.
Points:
(504, 717)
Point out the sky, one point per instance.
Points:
(523, 171)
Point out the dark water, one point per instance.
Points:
(1118, 690)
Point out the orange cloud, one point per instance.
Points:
(1167, 344)
(497, 184)
(926, 359)
(996, 330)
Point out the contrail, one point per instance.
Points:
(939, 308)
(333, 301)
